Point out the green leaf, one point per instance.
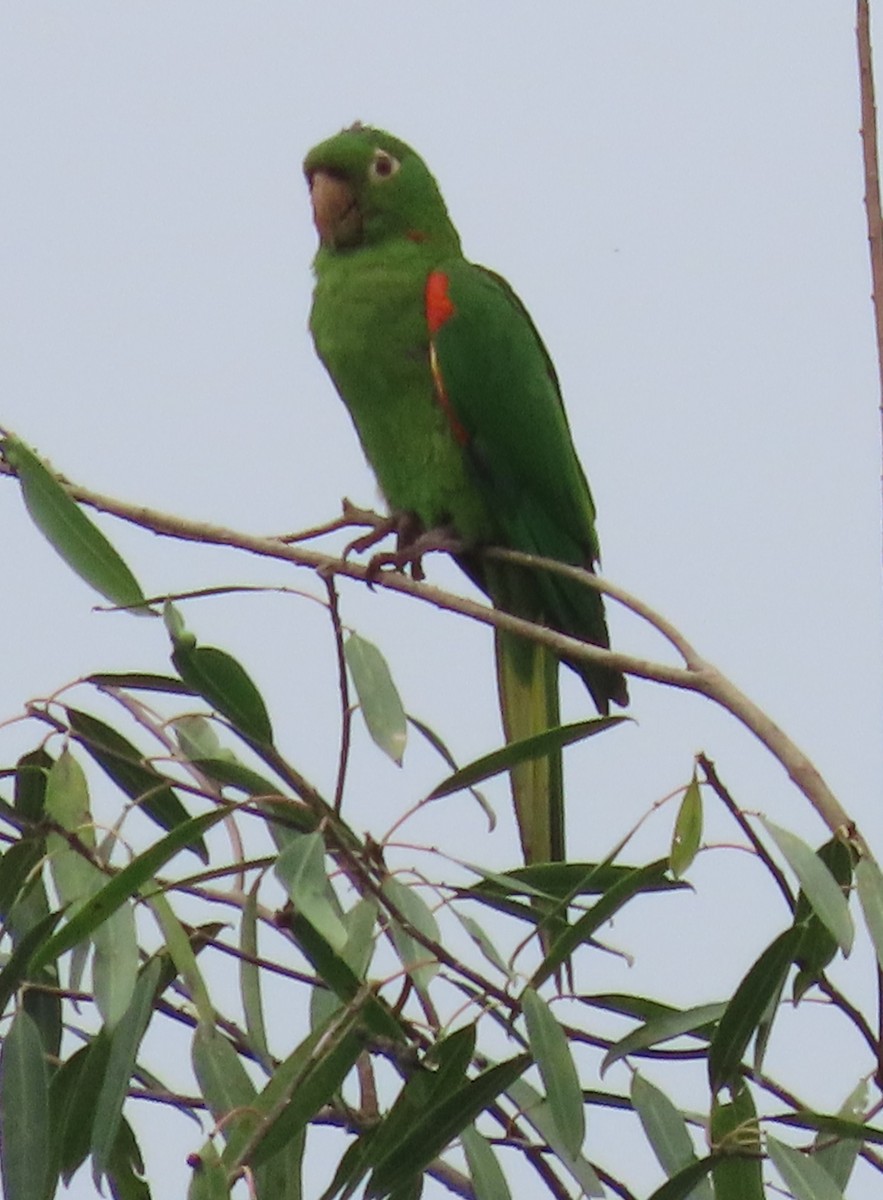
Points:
(66, 1158)
(63, 523)
(747, 1008)
(227, 687)
(488, 1179)
(183, 955)
(666, 1131)
(281, 1177)
(123, 763)
(805, 1178)
(441, 1073)
(378, 697)
(439, 746)
(334, 971)
(357, 954)
(485, 945)
(209, 1178)
(125, 1167)
(839, 1159)
(535, 1110)
(817, 883)
(115, 964)
(817, 945)
(226, 1086)
(735, 1137)
(537, 746)
(440, 1124)
(683, 1186)
(687, 834)
(419, 962)
(24, 1112)
(301, 1086)
(19, 965)
(869, 883)
(300, 869)
(663, 1027)
(31, 773)
(551, 1051)
(124, 1044)
(124, 885)
(250, 978)
(198, 738)
(639, 880)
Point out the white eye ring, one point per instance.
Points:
(383, 165)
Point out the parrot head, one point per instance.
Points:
(367, 188)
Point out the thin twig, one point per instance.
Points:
(872, 175)
(346, 710)
(713, 780)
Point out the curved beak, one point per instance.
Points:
(335, 211)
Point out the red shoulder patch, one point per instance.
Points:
(439, 306)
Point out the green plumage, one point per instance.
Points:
(459, 412)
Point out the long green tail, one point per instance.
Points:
(527, 680)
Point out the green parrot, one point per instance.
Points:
(458, 409)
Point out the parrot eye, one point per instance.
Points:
(383, 165)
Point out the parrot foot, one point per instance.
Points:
(410, 548)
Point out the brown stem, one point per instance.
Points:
(872, 175)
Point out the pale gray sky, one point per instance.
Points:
(675, 191)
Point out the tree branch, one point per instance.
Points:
(697, 675)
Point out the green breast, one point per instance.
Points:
(370, 331)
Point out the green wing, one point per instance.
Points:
(501, 387)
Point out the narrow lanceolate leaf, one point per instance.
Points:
(250, 978)
(735, 1139)
(339, 976)
(227, 687)
(746, 1009)
(379, 699)
(687, 834)
(115, 964)
(125, 1167)
(225, 1084)
(31, 771)
(124, 1044)
(121, 887)
(80, 543)
(817, 883)
(488, 1180)
(538, 746)
(182, 954)
(420, 963)
(662, 1028)
(551, 1052)
(440, 1124)
(636, 881)
(75, 876)
(281, 1177)
(356, 954)
(869, 882)
(839, 1159)
(802, 1175)
(123, 763)
(687, 1183)
(535, 1110)
(24, 1112)
(818, 945)
(666, 1132)
(299, 1088)
(198, 737)
(209, 1178)
(301, 870)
